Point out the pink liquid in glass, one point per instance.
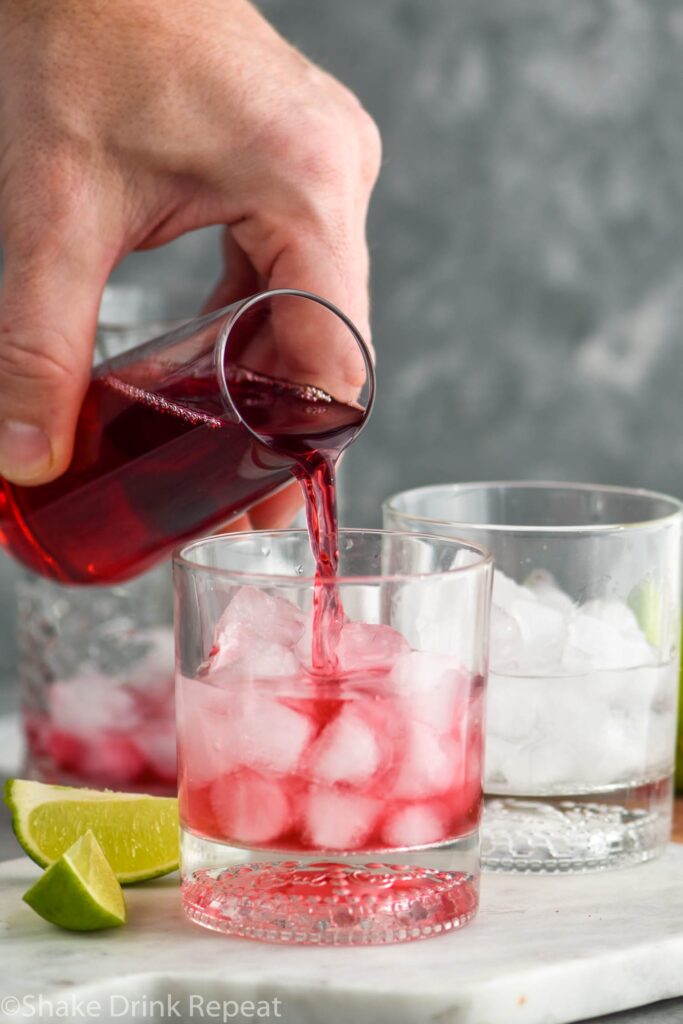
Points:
(379, 756)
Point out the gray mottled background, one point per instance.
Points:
(527, 239)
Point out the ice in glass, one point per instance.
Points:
(340, 806)
(584, 666)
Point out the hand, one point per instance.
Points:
(125, 125)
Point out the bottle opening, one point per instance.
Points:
(295, 371)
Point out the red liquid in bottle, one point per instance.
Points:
(150, 470)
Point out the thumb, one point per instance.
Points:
(49, 302)
(309, 337)
(310, 343)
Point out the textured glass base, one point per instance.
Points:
(574, 834)
(328, 900)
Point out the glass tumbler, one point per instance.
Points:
(190, 429)
(96, 665)
(584, 662)
(338, 806)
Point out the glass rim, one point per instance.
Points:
(236, 310)
(227, 317)
(537, 485)
(181, 559)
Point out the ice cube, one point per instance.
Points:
(661, 681)
(207, 737)
(512, 707)
(348, 750)
(436, 617)
(620, 750)
(572, 710)
(222, 730)
(368, 647)
(542, 627)
(616, 613)
(415, 825)
(558, 638)
(434, 690)
(110, 758)
(255, 638)
(259, 632)
(340, 821)
(506, 591)
(606, 647)
(269, 734)
(506, 641)
(250, 808)
(543, 632)
(574, 662)
(539, 728)
(92, 702)
(623, 643)
(583, 738)
(639, 689)
(429, 766)
(262, 662)
(575, 722)
(540, 766)
(542, 585)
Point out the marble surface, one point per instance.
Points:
(542, 951)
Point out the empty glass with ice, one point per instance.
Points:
(333, 803)
(584, 664)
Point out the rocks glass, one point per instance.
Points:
(584, 664)
(335, 807)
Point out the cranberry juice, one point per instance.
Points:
(378, 769)
(150, 470)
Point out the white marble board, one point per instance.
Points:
(543, 950)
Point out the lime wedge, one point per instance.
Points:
(138, 834)
(645, 602)
(79, 891)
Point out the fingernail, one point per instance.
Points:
(25, 451)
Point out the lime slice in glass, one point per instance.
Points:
(645, 601)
